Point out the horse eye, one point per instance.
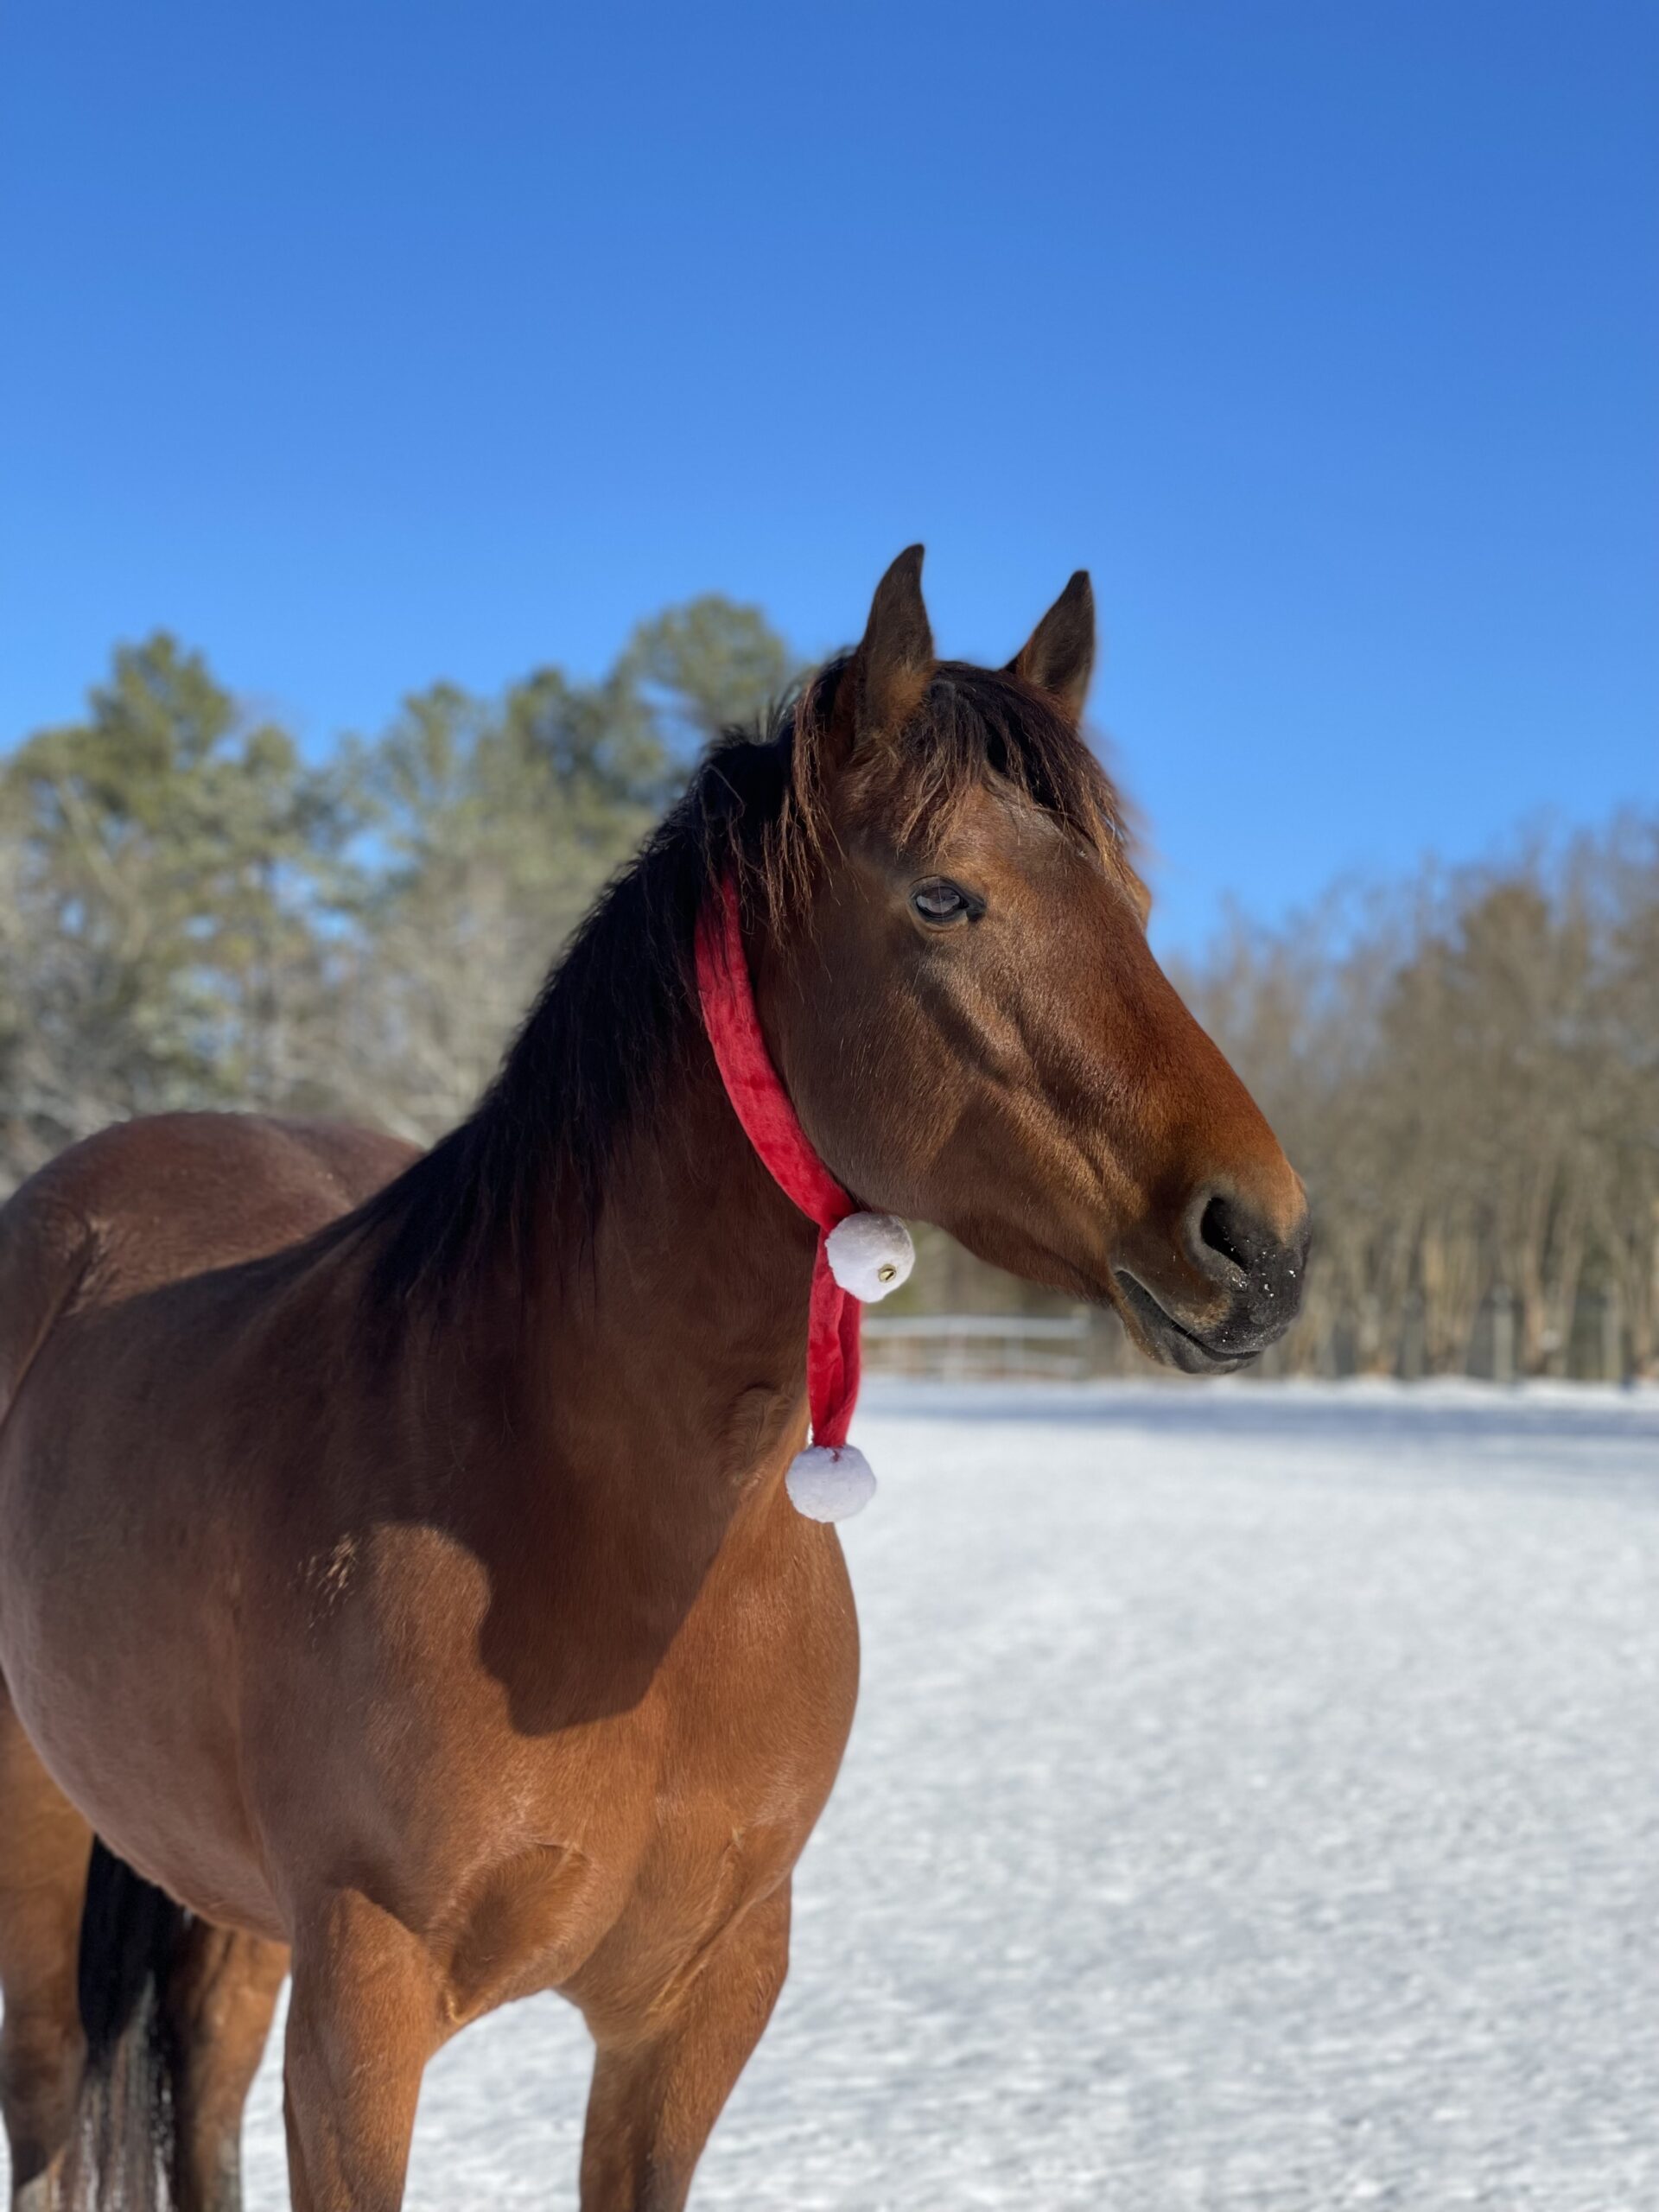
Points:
(942, 903)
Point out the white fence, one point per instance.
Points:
(952, 1347)
(955, 1346)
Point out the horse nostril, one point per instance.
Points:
(1221, 1228)
(1253, 1267)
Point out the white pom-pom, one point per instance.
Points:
(829, 1483)
(870, 1254)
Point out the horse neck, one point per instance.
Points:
(662, 1359)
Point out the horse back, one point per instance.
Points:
(150, 1202)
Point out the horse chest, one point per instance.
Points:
(756, 1704)
(659, 1826)
(687, 1809)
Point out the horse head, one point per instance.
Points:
(967, 1014)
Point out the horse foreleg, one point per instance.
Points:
(44, 1847)
(362, 2022)
(217, 2005)
(657, 2094)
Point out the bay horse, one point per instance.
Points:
(397, 1575)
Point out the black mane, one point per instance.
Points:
(603, 1031)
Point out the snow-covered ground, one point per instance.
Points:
(1254, 1803)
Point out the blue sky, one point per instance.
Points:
(362, 344)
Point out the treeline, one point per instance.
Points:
(191, 913)
(1466, 1070)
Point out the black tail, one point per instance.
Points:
(125, 2155)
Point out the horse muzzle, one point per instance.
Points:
(1236, 1288)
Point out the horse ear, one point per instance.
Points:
(1058, 657)
(895, 659)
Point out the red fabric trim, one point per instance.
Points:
(726, 995)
